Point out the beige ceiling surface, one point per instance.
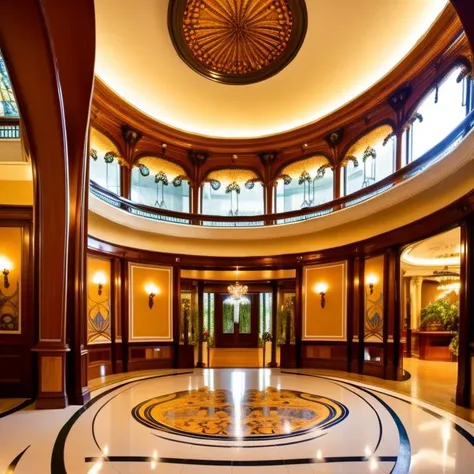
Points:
(440, 250)
(350, 45)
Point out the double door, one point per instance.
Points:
(236, 324)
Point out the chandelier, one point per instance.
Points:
(448, 281)
(237, 292)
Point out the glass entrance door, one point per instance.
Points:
(237, 323)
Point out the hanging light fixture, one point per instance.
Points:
(237, 292)
(448, 281)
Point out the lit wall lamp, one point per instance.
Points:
(5, 267)
(371, 281)
(322, 288)
(100, 280)
(152, 291)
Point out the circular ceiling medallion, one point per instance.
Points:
(252, 415)
(237, 41)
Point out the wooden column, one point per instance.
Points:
(298, 323)
(200, 321)
(125, 300)
(273, 362)
(337, 181)
(116, 311)
(54, 88)
(125, 182)
(399, 151)
(391, 327)
(269, 187)
(465, 385)
(176, 310)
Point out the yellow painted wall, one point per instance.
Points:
(154, 324)
(328, 323)
(98, 331)
(374, 302)
(18, 193)
(10, 249)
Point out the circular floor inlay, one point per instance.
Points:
(238, 41)
(250, 415)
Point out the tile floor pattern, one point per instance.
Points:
(375, 431)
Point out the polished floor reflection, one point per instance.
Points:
(231, 421)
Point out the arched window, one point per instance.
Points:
(8, 106)
(438, 114)
(158, 182)
(369, 160)
(104, 162)
(232, 192)
(305, 183)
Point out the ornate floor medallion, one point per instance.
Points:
(254, 415)
(237, 41)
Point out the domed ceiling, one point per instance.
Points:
(349, 45)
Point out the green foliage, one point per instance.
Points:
(441, 312)
(454, 345)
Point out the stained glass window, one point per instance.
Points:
(244, 318)
(8, 107)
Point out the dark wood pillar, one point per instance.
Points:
(391, 332)
(195, 198)
(273, 362)
(298, 323)
(359, 313)
(337, 181)
(269, 200)
(124, 298)
(200, 321)
(125, 182)
(116, 311)
(465, 385)
(399, 151)
(51, 82)
(176, 310)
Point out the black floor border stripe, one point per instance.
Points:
(12, 466)
(402, 466)
(462, 431)
(239, 446)
(23, 404)
(238, 463)
(58, 465)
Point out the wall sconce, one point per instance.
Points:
(100, 279)
(321, 288)
(5, 267)
(152, 291)
(371, 281)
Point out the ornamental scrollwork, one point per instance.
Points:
(232, 187)
(161, 178)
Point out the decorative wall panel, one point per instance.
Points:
(145, 323)
(374, 307)
(10, 284)
(328, 323)
(99, 317)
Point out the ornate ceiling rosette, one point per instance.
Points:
(237, 41)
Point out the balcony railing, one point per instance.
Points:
(9, 129)
(432, 156)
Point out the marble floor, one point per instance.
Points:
(238, 421)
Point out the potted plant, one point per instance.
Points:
(440, 315)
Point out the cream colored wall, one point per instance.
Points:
(147, 324)
(328, 323)
(243, 275)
